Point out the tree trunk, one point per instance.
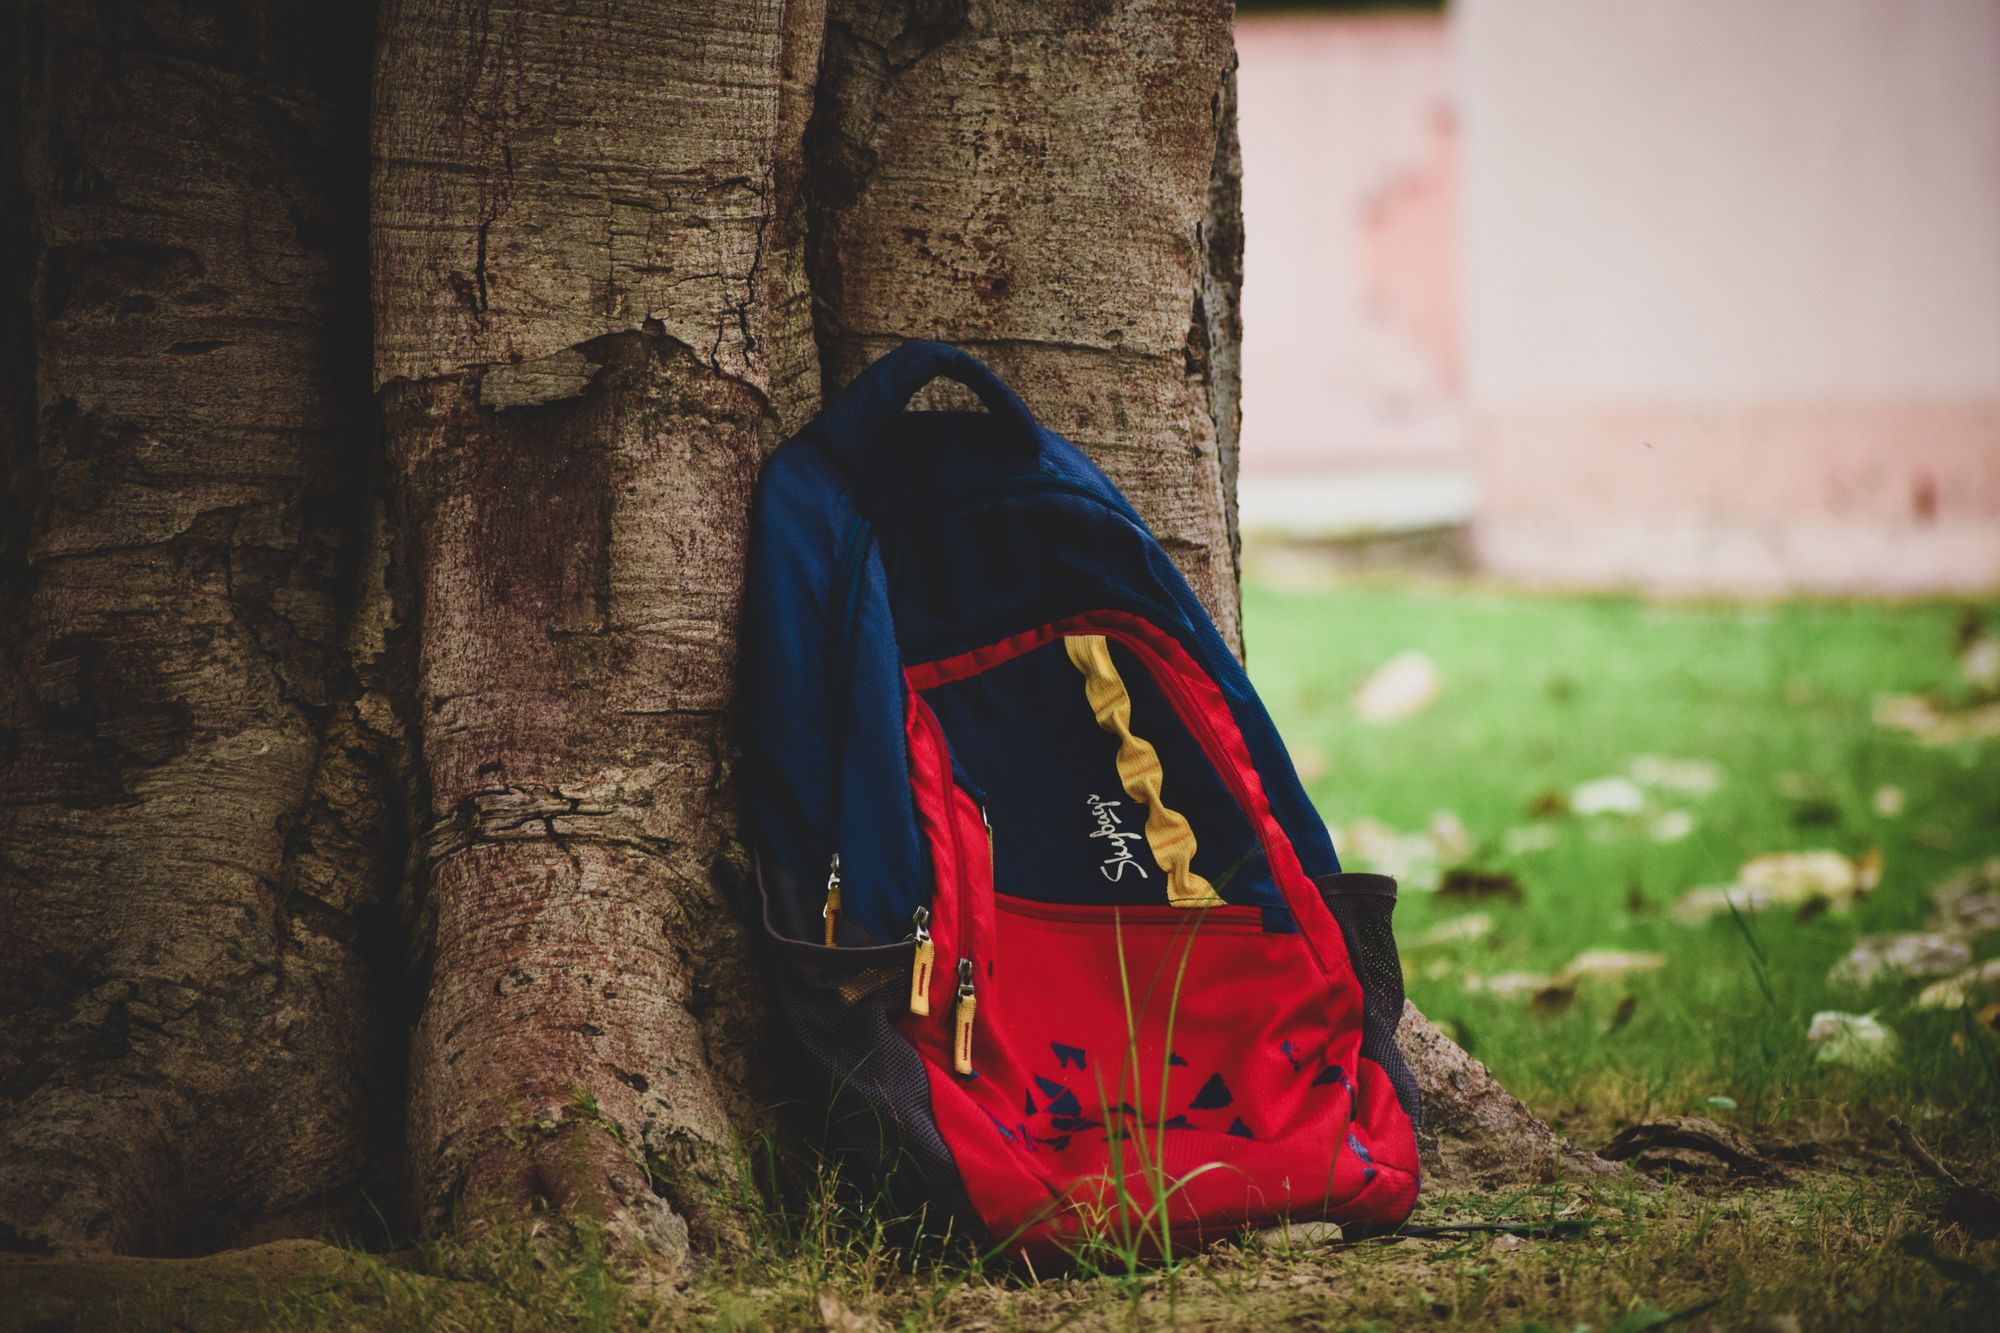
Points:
(362, 788)
(189, 1041)
(591, 327)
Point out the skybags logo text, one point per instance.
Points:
(1111, 827)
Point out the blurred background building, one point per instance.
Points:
(1685, 295)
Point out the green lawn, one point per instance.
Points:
(1539, 694)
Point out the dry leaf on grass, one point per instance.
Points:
(1697, 777)
(1415, 860)
(1409, 858)
(1671, 825)
(1605, 964)
(1448, 836)
(1787, 879)
(1974, 983)
(1608, 796)
(1549, 995)
(1467, 884)
(1401, 686)
(1913, 954)
(840, 1317)
(1458, 930)
(1310, 1232)
(1968, 903)
(1528, 839)
(1549, 805)
(1934, 723)
(1855, 1040)
(1552, 1000)
(1509, 985)
(1979, 660)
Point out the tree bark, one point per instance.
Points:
(367, 781)
(189, 1038)
(591, 327)
(1475, 1134)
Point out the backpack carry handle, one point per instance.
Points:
(854, 419)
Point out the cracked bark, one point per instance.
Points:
(190, 1040)
(591, 327)
(366, 775)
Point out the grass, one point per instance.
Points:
(1539, 694)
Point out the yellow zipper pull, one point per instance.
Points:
(831, 912)
(968, 1003)
(920, 966)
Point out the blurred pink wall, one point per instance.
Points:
(1732, 291)
(1351, 345)
(1691, 295)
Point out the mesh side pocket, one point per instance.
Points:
(839, 1006)
(1364, 905)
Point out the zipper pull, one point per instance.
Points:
(968, 1003)
(831, 912)
(992, 865)
(920, 967)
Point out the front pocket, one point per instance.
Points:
(1141, 1066)
(1200, 1063)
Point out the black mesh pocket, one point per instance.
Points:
(839, 1007)
(1364, 905)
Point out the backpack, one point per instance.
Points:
(1051, 918)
